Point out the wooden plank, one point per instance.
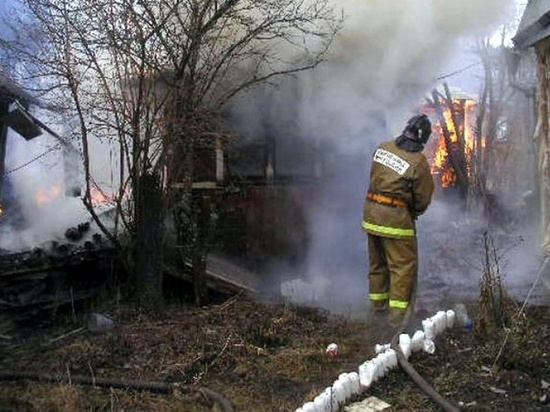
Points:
(220, 276)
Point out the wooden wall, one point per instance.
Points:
(542, 137)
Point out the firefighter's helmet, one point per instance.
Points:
(419, 128)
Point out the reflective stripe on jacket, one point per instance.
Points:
(397, 174)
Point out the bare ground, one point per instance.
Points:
(266, 357)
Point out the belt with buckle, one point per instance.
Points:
(385, 200)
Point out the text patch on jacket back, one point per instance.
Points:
(391, 160)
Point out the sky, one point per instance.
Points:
(464, 69)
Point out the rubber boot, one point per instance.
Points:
(396, 317)
(379, 306)
(378, 319)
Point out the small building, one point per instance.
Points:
(13, 104)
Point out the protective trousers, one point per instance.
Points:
(392, 272)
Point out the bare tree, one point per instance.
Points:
(486, 160)
(150, 76)
(501, 146)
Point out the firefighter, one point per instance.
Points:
(400, 190)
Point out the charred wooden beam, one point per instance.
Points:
(35, 281)
(220, 275)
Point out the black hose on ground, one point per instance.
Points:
(156, 387)
(409, 369)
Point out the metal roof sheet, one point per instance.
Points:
(10, 90)
(534, 25)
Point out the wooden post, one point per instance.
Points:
(220, 161)
(200, 249)
(149, 231)
(269, 162)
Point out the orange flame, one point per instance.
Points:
(47, 194)
(99, 197)
(439, 160)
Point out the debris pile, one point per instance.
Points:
(54, 274)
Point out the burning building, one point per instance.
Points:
(40, 273)
(481, 152)
(454, 143)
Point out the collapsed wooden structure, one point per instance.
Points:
(55, 274)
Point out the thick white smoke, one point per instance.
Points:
(41, 184)
(386, 57)
(384, 61)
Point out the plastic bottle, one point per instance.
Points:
(429, 328)
(451, 317)
(385, 361)
(334, 406)
(378, 364)
(429, 346)
(348, 384)
(365, 379)
(322, 402)
(462, 318)
(391, 358)
(339, 392)
(367, 373)
(417, 341)
(440, 320)
(461, 314)
(405, 344)
(330, 398)
(354, 383)
(343, 382)
(382, 348)
(309, 407)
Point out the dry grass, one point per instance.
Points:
(264, 357)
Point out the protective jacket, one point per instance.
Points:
(401, 188)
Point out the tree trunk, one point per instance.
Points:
(149, 235)
(200, 250)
